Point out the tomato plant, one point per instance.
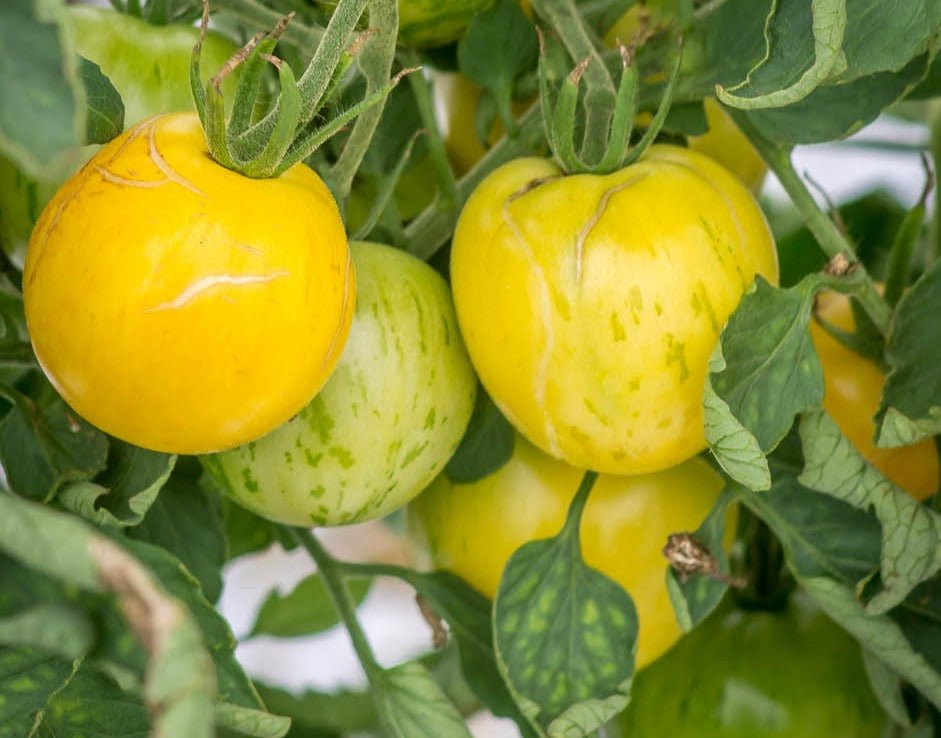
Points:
(746, 673)
(593, 375)
(472, 529)
(389, 418)
(212, 284)
(622, 394)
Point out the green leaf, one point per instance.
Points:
(61, 629)
(337, 713)
(911, 399)
(468, 614)
(105, 109)
(830, 546)
(411, 705)
(179, 684)
(28, 680)
(92, 705)
(44, 445)
(696, 597)
(122, 494)
(307, 609)
(500, 44)
(186, 520)
(911, 532)
(250, 722)
(887, 686)
(768, 373)
(565, 634)
(486, 446)
(42, 119)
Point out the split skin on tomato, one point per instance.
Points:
(387, 421)
(148, 66)
(852, 391)
(590, 304)
(183, 307)
(786, 674)
(473, 529)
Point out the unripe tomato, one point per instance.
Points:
(148, 65)
(473, 529)
(430, 23)
(590, 304)
(852, 391)
(181, 306)
(788, 674)
(385, 424)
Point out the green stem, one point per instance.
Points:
(833, 243)
(256, 15)
(447, 189)
(935, 250)
(574, 517)
(370, 569)
(564, 18)
(434, 226)
(330, 569)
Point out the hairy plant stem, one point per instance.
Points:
(565, 19)
(421, 89)
(435, 225)
(331, 571)
(831, 240)
(258, 16)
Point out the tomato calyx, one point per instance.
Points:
(285, 135)
(614, 129)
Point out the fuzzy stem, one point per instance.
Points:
(833, 243)
(935, 251)
(330, 570)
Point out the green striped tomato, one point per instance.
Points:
(385, 423)
(430, 23)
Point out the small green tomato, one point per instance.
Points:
(386, 422)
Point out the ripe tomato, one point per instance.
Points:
(472, 529)
(590, 304)
(429, 23)
(169, 302)
(756, 675)
(149, 67)
(852, 390)
(385, 424)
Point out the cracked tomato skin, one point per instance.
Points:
(387, 421)
(624, 527)
(590, 304)
(741, 674)
(174, 304)
(852, 391)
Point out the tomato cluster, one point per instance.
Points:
(328, 383)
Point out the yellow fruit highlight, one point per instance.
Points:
(473, 529)
(590, 304)
(852, 390)
(181, 306)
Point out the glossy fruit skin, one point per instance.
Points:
(473, 529)
(148, 65)
(171, 304)
(591, 304)
(430, 23)
(385, 424)
(852, 391)
(756, 675)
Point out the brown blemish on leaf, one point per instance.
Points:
(439, 631)
(688, 556)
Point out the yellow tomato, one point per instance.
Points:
(852, 390)
(473, 529)
(183, 307)
(590, 304)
